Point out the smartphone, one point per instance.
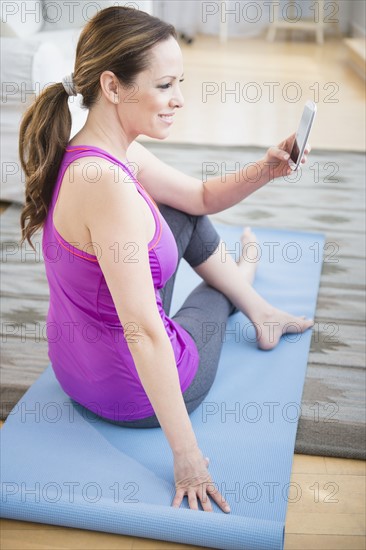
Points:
(302, 135)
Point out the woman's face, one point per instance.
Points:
(149, 106)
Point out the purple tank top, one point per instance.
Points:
(86, 344)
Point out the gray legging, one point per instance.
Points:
(196, 240)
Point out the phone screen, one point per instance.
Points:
(302, 135)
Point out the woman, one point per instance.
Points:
(111, 253)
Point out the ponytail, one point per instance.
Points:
(44, 133)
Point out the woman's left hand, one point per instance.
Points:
(277, 157)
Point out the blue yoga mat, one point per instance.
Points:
(64, 466)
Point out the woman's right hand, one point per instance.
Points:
(193, 479)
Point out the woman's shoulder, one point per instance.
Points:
(135, 159)
(94, 180)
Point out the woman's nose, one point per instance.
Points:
(178, 99)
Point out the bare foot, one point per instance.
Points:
(276, 324)
(248, 261)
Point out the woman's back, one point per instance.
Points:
(87, 345)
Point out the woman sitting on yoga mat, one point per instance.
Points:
(116, 222)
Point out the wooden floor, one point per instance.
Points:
(317, 520)
(272, 81)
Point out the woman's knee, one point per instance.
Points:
(204, 242)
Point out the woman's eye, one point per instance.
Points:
(166, 86)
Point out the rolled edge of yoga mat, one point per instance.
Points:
(184, 526)
(153, 521)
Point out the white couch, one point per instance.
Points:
(38, 46)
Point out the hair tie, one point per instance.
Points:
(68, 84)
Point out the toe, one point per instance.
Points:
(248, 236)
(246, 232)
(307, 323)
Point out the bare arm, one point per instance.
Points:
(192, 195)
(209, 194)
(113, 215)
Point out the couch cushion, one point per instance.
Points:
(27, 66)
(66, 41)
(19, 18)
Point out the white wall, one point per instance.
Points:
(66, 14)
(26, 17)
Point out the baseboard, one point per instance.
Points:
(357, 54)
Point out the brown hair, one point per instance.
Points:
(117, 39)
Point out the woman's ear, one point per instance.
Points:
(110, 86)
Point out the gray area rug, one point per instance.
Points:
(328, 197)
